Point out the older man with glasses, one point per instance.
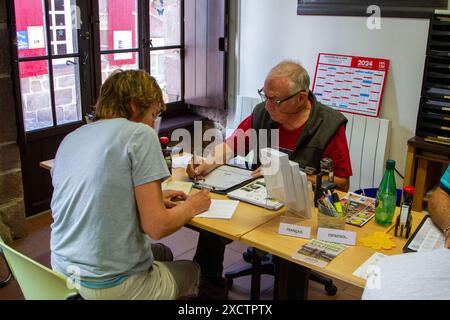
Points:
(308, 131)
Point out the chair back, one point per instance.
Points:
(36, 281)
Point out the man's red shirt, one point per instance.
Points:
(336, 150)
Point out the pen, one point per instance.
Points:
(337, 203)
(328, 204)
(330, 196)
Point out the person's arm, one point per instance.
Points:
(439, 208)
(222, 154)
(159, 222)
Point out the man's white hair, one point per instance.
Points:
(297, 75)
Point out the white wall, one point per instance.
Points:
(271, 30)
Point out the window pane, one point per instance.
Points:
(30, 26)
(35, 90)
(64, 34)
(124, 61)
(165, 22)
(118, 24)
(67, 90)
(59, 5)
(166, 68)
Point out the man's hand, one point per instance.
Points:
(171, 196)
(199, 170)
(257, 173)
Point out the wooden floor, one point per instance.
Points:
(183, 243)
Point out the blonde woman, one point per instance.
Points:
(107, 201)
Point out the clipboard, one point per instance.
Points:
(228, 178)
(424, 231)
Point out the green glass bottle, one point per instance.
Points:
(386, 196)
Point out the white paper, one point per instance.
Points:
(181, 161)
(364, 270)
(185, 187)
(428, 238)
(122, 40)
(337, 236)
(36, 39)
(295, 230)
(220, 209)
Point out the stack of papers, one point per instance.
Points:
(220, 209)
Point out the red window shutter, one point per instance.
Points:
(28, 14)
(121, 18)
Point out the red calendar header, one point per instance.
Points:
(350, 83)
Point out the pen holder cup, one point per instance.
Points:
(326, 218)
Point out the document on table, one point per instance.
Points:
(186, 187)
(426, 238)
(226, 177)
(220, 209)
(367, 267)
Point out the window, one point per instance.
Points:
(165, 46)
(49, 77)
(67, 48)
(118, 36)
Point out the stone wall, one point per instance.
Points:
(36, 103)
(12, 210)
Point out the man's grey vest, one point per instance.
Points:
(321, 126)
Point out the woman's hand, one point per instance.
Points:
(171, 196)
(199, 202)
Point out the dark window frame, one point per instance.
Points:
(389, 8)
(143, 50)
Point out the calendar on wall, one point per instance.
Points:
(351, 84)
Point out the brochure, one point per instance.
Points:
(360, 209)
(319, 253)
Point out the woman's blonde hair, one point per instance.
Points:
(123, 87)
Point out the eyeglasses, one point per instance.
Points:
(277, 102)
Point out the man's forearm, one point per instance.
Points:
(439, 208)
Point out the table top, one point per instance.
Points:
(267, 238)
(258, 227)
(246, 218)
(47, 164)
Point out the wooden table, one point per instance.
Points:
(246, 218)
(267, 238)
(258, 227)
